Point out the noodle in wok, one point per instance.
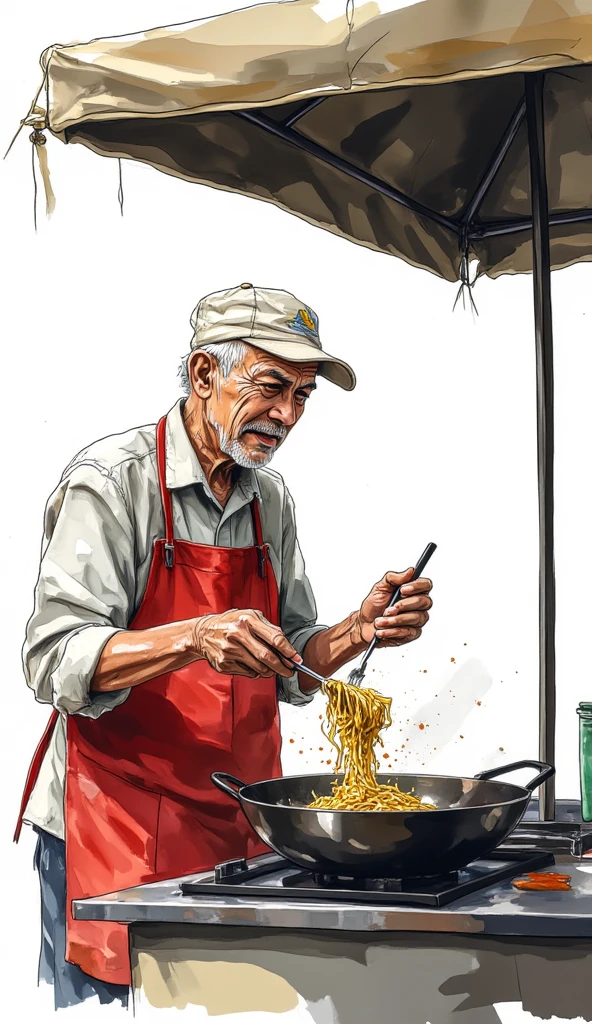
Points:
(355, 718)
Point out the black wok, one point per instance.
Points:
(472, 817)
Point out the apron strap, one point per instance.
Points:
(167, 505)
(34, 769)
(257, 530)
(165, 494)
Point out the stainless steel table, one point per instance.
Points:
(348, 963)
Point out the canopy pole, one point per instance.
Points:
(534, 91)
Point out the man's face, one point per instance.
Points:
(254, 410)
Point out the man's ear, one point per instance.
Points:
(201, 370)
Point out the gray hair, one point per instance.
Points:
(227, 355)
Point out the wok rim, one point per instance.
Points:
(526, 793)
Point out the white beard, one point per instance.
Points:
(239, 452)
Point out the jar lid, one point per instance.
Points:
(585, 708)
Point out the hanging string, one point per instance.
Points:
(466, 285)
(120, 189)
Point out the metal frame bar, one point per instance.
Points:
(535, 117)
(463, 227)
(495, 164)
(308, 146)
(290, 121)
(511, 227)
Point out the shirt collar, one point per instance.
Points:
(183, 468)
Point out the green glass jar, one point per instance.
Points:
(585, 714)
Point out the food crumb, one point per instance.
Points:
(478, 703)
(300, 751)
(291, 741)
(425, 670)
(501, 748)
(453, 660)
(386, 756)
(421, 725)
(321, 748)
(461, 736)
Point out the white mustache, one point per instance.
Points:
(263, 427)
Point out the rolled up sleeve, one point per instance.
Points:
(84, 592)
(298, 612)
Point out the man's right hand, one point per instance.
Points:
(243, 643)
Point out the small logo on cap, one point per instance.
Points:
(305, 322)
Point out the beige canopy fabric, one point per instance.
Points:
(417, 99)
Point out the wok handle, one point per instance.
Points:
(222, 780)
(546, 771)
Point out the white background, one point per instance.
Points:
(438, 442)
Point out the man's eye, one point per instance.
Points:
(302, 397)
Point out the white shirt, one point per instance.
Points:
(100, 526)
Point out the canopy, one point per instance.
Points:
(405, 171)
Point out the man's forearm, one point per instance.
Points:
(327, 651)
(135, 656)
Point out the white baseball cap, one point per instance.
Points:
(271, 320)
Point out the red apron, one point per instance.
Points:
(140, 805)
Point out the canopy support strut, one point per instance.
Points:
(288, 134)
(494, 165)
(534, 89)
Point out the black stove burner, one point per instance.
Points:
(377, 884)
(272, 876)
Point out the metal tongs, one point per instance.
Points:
(356, 676)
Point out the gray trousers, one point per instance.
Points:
(71, 985)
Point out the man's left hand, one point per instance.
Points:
(402, 623)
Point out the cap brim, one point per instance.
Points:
(333, 369)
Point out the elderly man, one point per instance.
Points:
(171, 606)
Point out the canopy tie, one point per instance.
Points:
(39, 142)
(466, 285)
(37, 119)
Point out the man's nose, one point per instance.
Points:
(283, 411)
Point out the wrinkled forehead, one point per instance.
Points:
(259, 363)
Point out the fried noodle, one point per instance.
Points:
(355, 719)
